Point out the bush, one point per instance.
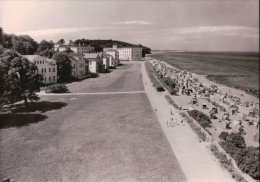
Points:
(247, 158)
(94, 75)
(223, 135)
(57, 88)
(201, 118)
(160, 89)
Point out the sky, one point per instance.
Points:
(194, 25)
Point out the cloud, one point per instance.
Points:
(133, 23)
(217, 30)
(55, 31)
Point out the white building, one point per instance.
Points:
(75, 48)
(46, 67)
(113, 56)
(127, 53)
(78, 65)
(95, 62)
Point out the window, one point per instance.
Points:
(53, 78)
(53, 70)
(49, 78)
(42, 70)
(49, 69)
(40, 62)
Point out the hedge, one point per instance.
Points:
(57, 88)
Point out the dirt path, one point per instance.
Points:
(196, 161)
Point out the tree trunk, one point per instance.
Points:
(25, 102)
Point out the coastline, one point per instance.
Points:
(224, 88)
(224, 77)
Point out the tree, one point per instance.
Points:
(223, 135)
(63, 66)
(71, 42)
(61, 41)
(21, 80)
(46, 49)
(1, 33)
(68, 50)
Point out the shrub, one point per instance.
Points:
(160, 89)
(94, 75)
(223, 135)
(57, 88)
(201, 118)
(247, 158)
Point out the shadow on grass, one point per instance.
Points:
(42, 106)
(19, 120)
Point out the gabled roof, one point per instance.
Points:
(32, 57)
(91, 55)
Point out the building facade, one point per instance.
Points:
(114, 61)
(75, 48)
(78, 65)
(46, 67)
(95, 62)
(127, 53)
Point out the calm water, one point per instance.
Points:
(235, 69)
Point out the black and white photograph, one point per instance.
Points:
(129, 91)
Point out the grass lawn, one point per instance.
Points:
(90, 137)
(126, 77)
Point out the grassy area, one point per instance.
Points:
(93, 138)
(127, 77)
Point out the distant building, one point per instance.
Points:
(46, 67)
(127, 53)
(78, 65)
(94, 62)
(114, 61)
(80, 49)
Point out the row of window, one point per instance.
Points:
(39, 62)
(44, 70)
(45, 78)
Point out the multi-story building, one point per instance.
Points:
(95, 62)
(46, 67)
(75, 48)
(127, 53)
(114, 61)
(78, 65)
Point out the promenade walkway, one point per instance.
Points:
(194, 157)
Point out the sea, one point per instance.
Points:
(233, 69)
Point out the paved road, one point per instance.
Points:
(89, 137)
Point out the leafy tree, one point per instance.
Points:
(61, 41)
(63, 66)
(1, 33)
(21, 81)
(7, 41)
(237, 139)
(68, 51)
(46, 49)
(71, 42)
(223, 135)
